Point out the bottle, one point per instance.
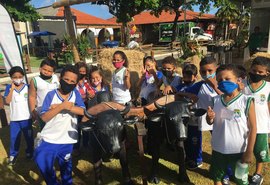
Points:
(241, 171)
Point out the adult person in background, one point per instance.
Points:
(255, 41)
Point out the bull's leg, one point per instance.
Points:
(124, 165)
(97, 160)
(154, 139)
(183, 177)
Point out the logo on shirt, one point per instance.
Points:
(237, 113)
(262, 98)
(25, 95)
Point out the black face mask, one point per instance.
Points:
(256, 77)
(44, 77)
(167, 73)
(81, 76)
(66, 87)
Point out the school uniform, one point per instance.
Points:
(205, 95)
(20, 120)
(261, 99)
(229, 135)
(58, 136)
(119, 91)
(176, 81)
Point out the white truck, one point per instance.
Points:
(197, 33)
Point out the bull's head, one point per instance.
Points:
(176, 115)
(108, 128)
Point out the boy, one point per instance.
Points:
(170, 78)
(20, 119)
(40, 86)
(59, 111)
(205, 90)
(259, 89)
(234, 126)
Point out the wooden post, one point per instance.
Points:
(72, 34)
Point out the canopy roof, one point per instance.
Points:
(40, 33)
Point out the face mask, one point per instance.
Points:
(66, 87)
(256, 77)
(96, 83)
(227, 87)
(118, 65)
(82, 76)
(44, 77)
(167, 73)
(18, 81)
(209, 76)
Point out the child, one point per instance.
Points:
(170, 78)
(83, 87)
(234, 125)
(16, 95)
(97, 82)
(40, 86)
(149, 79)
(204, 90)
(59, 111)
(121, 78)
(259, 89)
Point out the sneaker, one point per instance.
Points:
(226, 180)
(256, 179)
(192, 165)
(11, 160)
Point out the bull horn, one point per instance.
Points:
(88, 115)
(158, 106)
(126, 110)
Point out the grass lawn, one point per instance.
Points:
(26, 172)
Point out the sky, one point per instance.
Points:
(100, 11)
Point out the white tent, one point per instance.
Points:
(9, 46)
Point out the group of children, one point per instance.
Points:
(237, 110)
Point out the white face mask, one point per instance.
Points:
(18, 81)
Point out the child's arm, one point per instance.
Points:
(9, 93)
(191, 96)
(210, 116)
(127, 79)
(247, 156)
(66, 105)
(32, 99)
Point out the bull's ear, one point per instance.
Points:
(131, 120)
(198, 112)
(87, 126)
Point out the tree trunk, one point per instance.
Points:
(70, 2)
(72, 34)
(174, 28)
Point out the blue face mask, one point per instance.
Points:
(209, 76)
(227, 87)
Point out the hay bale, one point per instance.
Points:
(135, 59)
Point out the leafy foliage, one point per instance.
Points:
(20, 10)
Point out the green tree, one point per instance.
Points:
(20, 10)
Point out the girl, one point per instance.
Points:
(149, 79)
(121, 78)
(16, 95)
(234, 125)
(97, 82)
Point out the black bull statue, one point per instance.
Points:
(106, 123)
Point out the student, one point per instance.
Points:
(83, 88)
(149, 79)
(170, 78)
(190, 73)
(205, 90)
(234, 126)
(121, 78)
(16, 95)
(97, 82)
(259, 89)
(40, 86)
(59, 111)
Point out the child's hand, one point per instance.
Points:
(68, 105)
(212, 82)
(193, 97)
(210, 115)
(247, 157)
(90, 94)
(167, 90)
(127, 74)
(143, 71)
(53, 106)
(12, 86)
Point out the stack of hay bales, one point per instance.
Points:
(247, 64)
(135, 59)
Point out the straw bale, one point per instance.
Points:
(135, 59)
